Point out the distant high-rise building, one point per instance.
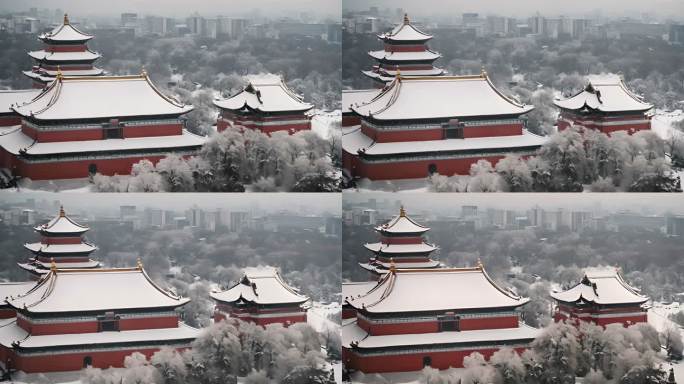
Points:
(196, 24)
(127, 211)
(468, 210)
(238, 221)
(129, 20)
(676, 34)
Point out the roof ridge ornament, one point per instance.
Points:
(59, 72)
(483, 72)
(61, 211)
(402, 211)
(393, 267)
(66, 19)
(406, 19)
(53, 265)
(139, 264)
(480, 266)
(143, 72)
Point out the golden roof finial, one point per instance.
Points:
(144, 71)
(398, 75)
(479, 263)
(393, 267)
(66, 19)
(59, 72)
(61, 211)
(406, 19)
(483, 72)
(53, 265)
(139, 264)
(402, 211)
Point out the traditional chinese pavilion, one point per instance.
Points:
(417, 126)
(414, 318)
(266, 104)
(401, 246)
(405, 49)
(72, 129)
(61, 242)
(65, 50)
(75, 318)
(261, 297)
(605, 105)
(602, 297)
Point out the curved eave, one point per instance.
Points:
(369, 309)
(258, 109)
(559, 105)
(214, 295)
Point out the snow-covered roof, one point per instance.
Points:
(357, 289)
(60, 248)
(47, 75)
(96, 290)
(262, 285)
(405, 32)
(265, 93)
(17, 142)
(61, 224)
(387, 75)
(404, 56)
(601, 286)
(605, 93)
(400, 248)
(355, 140)
(43, 55)
(19, 96)
(357, 96)
(65, 32)
(69, 98)
(10, 332)
(440, 97)
(352, 333)
(418, 290)
(14, 289)
(400, 224)
(382, 267)
(41, 268)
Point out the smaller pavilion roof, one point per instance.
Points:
(262, 285)
(65, 33)
(400, 248)
(401, 224)
(265, 93)
(48, 56)
(47, 249)
(604, 286)
(405, 32)
(604, 93)
(62, 224)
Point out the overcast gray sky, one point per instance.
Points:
(294, 202)
(663, 8)
(181, 7)
(450, 203)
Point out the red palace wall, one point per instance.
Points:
(73, 361)
(405, 48)
(254, 122)
(37, 329)
(66, 48)
(595, 123)
(284, 320)
(413, 361)
(61, 240)
(6, 313)
(70, 169)
(350, 120)
(348, 313)
(98, 134)
(9, 121)
(466, 324)
(401, 240)
(438, 133)
(410, 169)
(603, 321)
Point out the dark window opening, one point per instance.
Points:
(449, 323)
(108, 323)
(92, 169)
(453, 129)
(427, 361)
(87, 362)
(432, 169)
(112, 130)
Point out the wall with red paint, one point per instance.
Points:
(466, 324)
(78, 169)
(9, 121)
(414, 361)
(7, 313)
(417, 169)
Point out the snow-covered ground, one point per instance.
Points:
(59, 185)
(658, 317)
(663, 123)
(400, 185)
(322, 122)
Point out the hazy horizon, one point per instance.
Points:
(443, 9)
(178, 8)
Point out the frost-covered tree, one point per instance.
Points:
(515, 174)
(483, 178)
